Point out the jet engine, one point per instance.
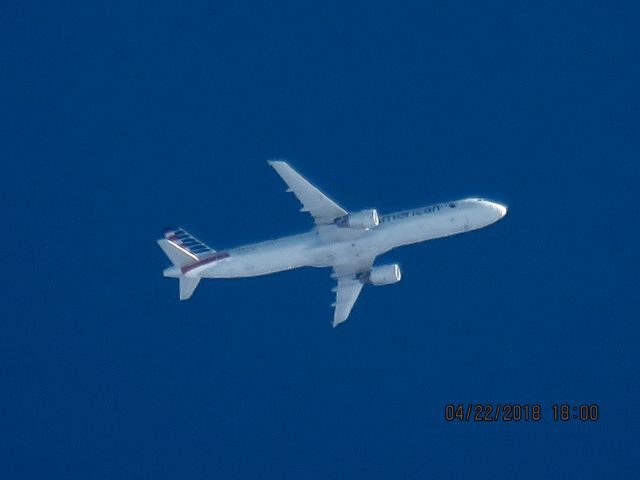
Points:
(360, 220)
(384, 275)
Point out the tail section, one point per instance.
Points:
(179, 256)
(183, 250)
(187, 286)
(190, 244)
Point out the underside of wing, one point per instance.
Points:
(322, 208)
(349, 287)
(347, 292)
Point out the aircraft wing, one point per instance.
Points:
(347, 293)
(348, 288)
(323, 209)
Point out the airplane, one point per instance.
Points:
(348, 242)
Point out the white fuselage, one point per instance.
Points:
(331, 245)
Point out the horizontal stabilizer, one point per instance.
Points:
(187, 286)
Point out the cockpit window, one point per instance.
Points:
(452, 205)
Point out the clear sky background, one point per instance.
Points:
(120, 118)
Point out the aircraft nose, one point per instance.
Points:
(500, 208)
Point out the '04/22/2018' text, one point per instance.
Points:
(515, 412)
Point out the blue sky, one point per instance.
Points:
(120, 118)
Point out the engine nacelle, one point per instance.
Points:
(384, 274)
(361, 220)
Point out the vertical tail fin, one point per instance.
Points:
(183, 250)
(178, 255)
(187, 242)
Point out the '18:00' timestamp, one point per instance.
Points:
(513, 412)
